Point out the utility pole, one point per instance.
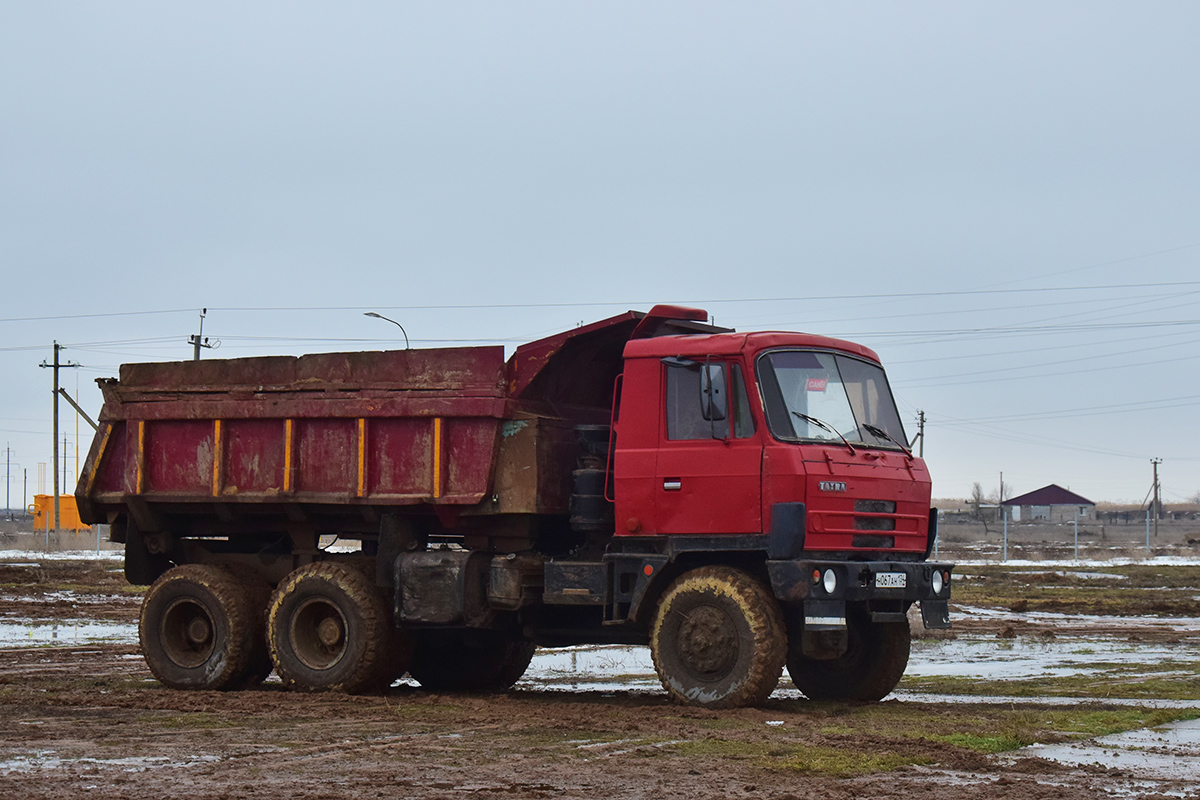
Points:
(198, 340)
(920, 433)
(7, 478)
(57, 366)
(1157, 496)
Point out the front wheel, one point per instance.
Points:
(719, 639)
(329, 628)
(875, 658)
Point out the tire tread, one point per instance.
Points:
(768, 634)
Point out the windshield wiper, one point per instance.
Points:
(827, 427)
(882, 434)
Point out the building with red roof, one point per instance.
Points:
(1051, 503)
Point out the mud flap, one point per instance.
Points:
(824, 615)
(935, 613)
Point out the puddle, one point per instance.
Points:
(50, 760)
(74, 598)
(1119, 558)
(980, 656)
(1093, 576)
(1168, 752)
(592, 668)
(1182, 625)
(28, 633)
(625, 668)
(1043, 700)
(62, 555)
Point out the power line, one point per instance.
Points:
(979, 356)
(1108, 263)
(933, 382)
(624, 304)
(1117, 408)
(97, 316)
(725, 300)
(1040, 364)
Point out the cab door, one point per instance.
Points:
(708, 476)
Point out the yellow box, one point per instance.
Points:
(43, 513)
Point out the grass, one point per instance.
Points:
(838, 739)
(1174, 681)
(982, 744)
(822, 760)
(882, 738)
(197, 720)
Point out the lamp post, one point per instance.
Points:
(386, 319)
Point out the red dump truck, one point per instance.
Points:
(736, 501)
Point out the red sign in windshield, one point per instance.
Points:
(817, 384)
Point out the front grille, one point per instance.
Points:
(874, 523)
(875, 542)
(875, 506)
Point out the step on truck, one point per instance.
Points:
(738, 502)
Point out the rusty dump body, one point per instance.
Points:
(646, 479)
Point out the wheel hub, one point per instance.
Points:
(329, 632)
(186, 633)
(198, 631)
(318, 633)
(708, 642)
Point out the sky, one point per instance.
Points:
(1001, 199)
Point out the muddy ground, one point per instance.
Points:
(88, 720)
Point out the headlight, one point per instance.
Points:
(938, 583)
(830, 581)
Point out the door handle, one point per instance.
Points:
(672, 484)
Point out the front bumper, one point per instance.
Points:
(887, 588)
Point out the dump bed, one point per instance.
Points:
(396, 427)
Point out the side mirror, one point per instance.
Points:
(714, 404)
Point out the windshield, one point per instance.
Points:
(844, 393)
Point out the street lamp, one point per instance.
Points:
(397, 324)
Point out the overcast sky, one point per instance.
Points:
(1002, 199)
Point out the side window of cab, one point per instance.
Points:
(697, 405)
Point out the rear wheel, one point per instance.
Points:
(875, 658)
(200, 628)
(719, 639)
(473, 661)
(329, 628)
(258, 596)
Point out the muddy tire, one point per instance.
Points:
(258, 598)
(199, 629)
(469, 661)
(875, 658)
(329, 629)
(719, 639)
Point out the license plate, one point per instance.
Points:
(890, 580)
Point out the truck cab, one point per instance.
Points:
(714, 432)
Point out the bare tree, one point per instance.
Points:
(976, 502)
